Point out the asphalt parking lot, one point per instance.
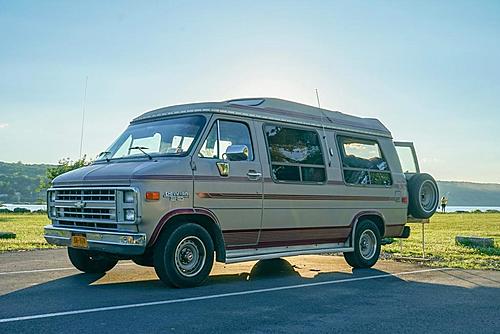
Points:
(41, 293)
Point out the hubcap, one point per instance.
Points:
(190, 256)
(367, 244)
(428, 196)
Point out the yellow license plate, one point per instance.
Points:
(79, 241)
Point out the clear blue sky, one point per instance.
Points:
(430, 70)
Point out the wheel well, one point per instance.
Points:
(208, 224)
(378, 220)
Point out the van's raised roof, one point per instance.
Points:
(276, 110)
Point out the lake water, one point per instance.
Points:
(34, 207)
(470, 208)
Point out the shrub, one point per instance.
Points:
(21, 210)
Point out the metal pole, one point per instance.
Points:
(83, 114)
(324, 132)
(317, 98)
(423, 240)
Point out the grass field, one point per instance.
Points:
(440, 246)
(439, 234)
(28, 229)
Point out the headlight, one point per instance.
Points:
(52, 196)
(129, 197)
(129, 214)
(53, 212)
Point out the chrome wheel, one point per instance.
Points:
(367, 244)
(428, 196)
(190, 256)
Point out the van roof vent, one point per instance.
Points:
(247, 102)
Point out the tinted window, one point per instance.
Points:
(230, 133)
(363, 162)
(293, 145)
(295, 154)
(286, 173)
(358, 153)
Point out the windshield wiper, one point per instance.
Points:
(104, 154)
(142, 148)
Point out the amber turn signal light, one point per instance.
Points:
(152, 196)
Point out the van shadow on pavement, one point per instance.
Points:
(131, 283)
(435, 301)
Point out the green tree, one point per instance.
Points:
(65, 165)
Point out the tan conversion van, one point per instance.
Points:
(239, 180)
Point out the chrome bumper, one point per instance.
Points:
(110, 242)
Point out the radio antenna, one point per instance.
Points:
(323, 127)
(83, 114)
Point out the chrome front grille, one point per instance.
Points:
(92, 208)
(87, 213)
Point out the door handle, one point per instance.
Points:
(254, 175)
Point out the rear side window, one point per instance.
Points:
(363, 162)
(295, 154)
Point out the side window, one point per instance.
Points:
(295, 154)
(363, 162)
(224, 134)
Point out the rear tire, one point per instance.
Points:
(423, 196)
(184, 257)
(366, 243)
(91, 262)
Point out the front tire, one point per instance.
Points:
(91, 262)
(184, 257)
(366, 245)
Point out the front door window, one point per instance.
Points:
(224, 134)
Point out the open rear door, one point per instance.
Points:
(407, 157)
(423, 192)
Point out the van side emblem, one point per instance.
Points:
(176, 195)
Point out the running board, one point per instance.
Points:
(233, 256)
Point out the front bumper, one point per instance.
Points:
(104, 241)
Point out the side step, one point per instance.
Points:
(233, 256)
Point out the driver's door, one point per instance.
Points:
(232, 189)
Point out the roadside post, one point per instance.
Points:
(412, 220)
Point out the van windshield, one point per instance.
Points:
(173, 136)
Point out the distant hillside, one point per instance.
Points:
(470, 194)
(18, 182)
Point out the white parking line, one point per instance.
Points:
(222, 295)
(49, 269)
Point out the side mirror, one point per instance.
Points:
(237, 153)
